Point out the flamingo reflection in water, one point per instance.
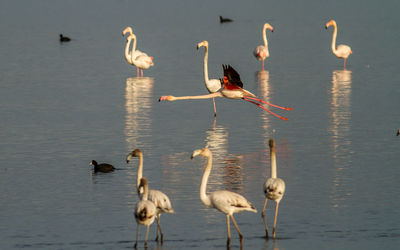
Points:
(232, 89)
(265, 89)
(340, 131)
(138, 108)
(224, 201)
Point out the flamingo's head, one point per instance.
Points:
(202, 152)
(202, 44)
(166, 98)
(271, 143)
(134, 153)
(126, 30)
(330, 23)
(269, 27)
(143, 183)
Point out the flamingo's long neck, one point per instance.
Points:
(127, 55)
(206, 64)
(145, 192)
(273, 162)
(133, 47)
(265, 37)
(140, 172)
(216, 94)
(333, 45)
(203, 187)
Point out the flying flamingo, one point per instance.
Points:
(232, 89)
(160, 199)
(136, 57)
(274, 188)
(224, 201)
(341, 51)
(212, 85)
(145, 212)
(261, 52)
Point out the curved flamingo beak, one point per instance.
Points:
(163, 98)
(331, 22)
(126, 30)
(202, 44)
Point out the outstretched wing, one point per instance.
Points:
(231, 76)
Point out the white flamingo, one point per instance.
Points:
(274, 188)
(136, 57)
(212, 85)
(261, 52)
(134, 52)
(341, 51)
(224, 201)
(160, 199)
(145, 211)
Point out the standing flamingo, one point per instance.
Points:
(274, 188)
(160, 199)
(261, 52)
(224, 201)
(145, 211)
(212, 85)
(136, 57)
(134, 52)
(341, 51)
(232, 89)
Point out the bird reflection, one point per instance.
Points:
(274, 245)
(227, 167)
(138, 104)
(340, 132)
(264, 88)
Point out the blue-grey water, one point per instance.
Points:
(63, 105)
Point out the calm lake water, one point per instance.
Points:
(63, 105)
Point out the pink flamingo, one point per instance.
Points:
(261, 52)
(341, 51)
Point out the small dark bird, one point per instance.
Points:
(398, 132)
(102, 167)
(64, 38)
(224, 20)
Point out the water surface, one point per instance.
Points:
(63, 105)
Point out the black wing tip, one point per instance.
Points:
(232, 75)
